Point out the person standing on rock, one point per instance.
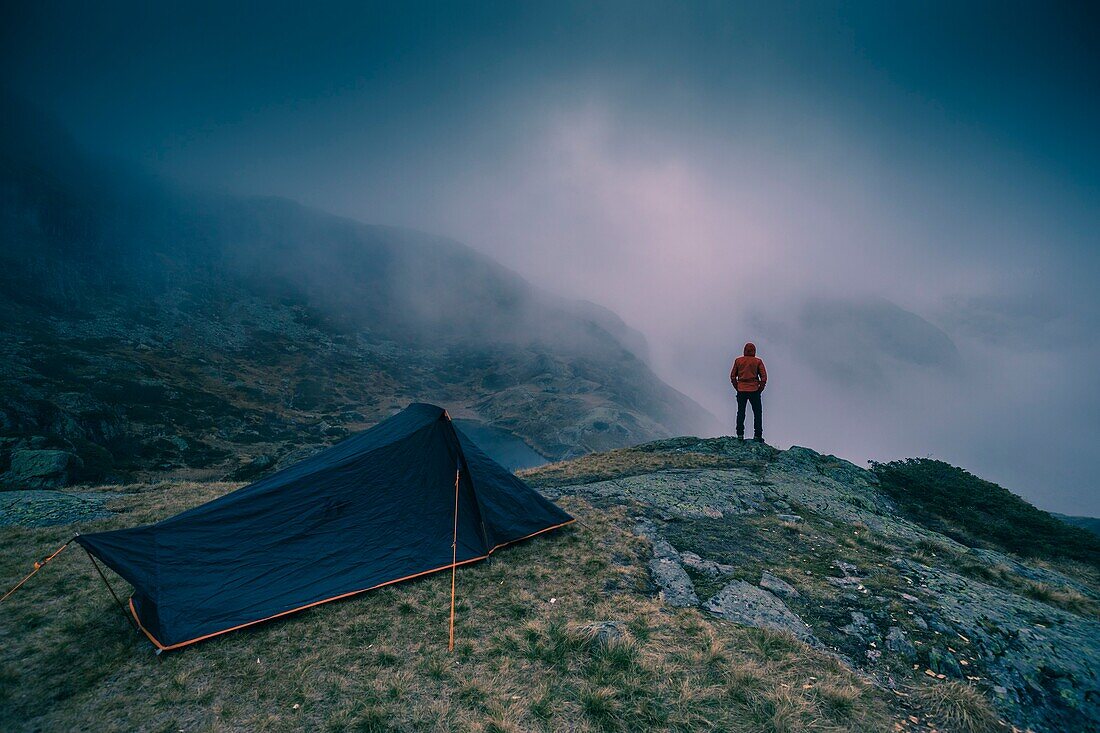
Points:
(748, 377)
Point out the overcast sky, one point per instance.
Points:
(898, 203)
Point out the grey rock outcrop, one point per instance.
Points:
(40, 508)
(674, 582)
(849, 577)
(944, 662)
(890, 596)
(42, 469)
(746, 604)
(860, 627)
(686, 493)
(707, 567)
(661, 548)
(778, 586)
(898, 643)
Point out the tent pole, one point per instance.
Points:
(454, 565)
(112, 590)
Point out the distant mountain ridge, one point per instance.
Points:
(148, 328)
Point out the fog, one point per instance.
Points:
(897, 205)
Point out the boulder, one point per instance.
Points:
(777, 585)
(746, 604)
(603, 634)
(661, 547)
(898, 642)
(848, 569)
(253, 468)
(861, 627)
(709, 567)
(42, 469)
(943, 662)
(849, 579)
(676, 587)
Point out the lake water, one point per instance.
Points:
(504, 447)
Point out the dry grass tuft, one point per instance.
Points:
(1062, 597)
(793, 528)
(960, 708)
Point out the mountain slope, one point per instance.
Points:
(146, 328)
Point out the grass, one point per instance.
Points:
(379, 662)
(621, 463)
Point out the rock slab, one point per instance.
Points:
(777, 585)
(41, 508)
(746, 604)
(676, 587)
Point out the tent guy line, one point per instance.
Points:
(37, 566)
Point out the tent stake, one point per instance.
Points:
(112, 590)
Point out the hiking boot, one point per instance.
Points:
(759, 438)
(741, 438)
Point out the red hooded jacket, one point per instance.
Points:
(748, 373)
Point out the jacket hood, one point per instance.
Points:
(750, 349)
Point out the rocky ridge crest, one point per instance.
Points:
(807, 543)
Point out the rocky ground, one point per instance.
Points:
(798, 542)
(805, 543)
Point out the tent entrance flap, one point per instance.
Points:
(372, 510)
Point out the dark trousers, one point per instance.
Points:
(757, 416)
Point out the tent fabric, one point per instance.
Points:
(374, 509)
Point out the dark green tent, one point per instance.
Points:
(385, 505)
